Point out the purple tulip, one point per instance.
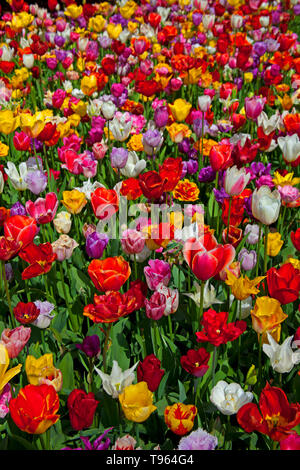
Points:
(207, 175)
(36, 181)
(95, 244)
(17, 209)
(90, 346)
(247, 259)
(118, 157)
(161, 116)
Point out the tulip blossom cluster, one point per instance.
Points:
(149, 225)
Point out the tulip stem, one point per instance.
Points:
(266, 249)
(66, 297)
(258, 248)
(105, 348)
(259, 358)
(202, 285)
(228, 222)
(6, 288)
(214, 362)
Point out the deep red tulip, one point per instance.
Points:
(217, 331)
(284, 283)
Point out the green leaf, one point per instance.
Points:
(182, 392)
(67, 369)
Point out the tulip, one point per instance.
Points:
(137, 402)
(266, 205)
(34, 409)
(235, 181)
(156, 306)
(6, 375)
(62, 222)
(17, 178)
(28, 60)
(132, 241)
(133, 166)
(157, 272)
(204, 103)
(290, 147)
(229, 398)
(64, 247)
(180, 109)
(282, 357)
(117, 381)
(236, 21)
(45, 317)
(15, 340)
(180, 418)
(90, 346)
(254, 106)
(247, 259)
(43, 210)
(118, 157)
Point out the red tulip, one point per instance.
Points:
(82, 407)
(40, 259)
(275, 416)
(149, 371)
(21, 228)
(217, 331)
(220, 157)
(295, 237)
(284, 283)
(205, 257)
(196, 362)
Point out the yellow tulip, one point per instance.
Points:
(137, 402)
(178, 132)
(267, 316)
(3, 150)
(79, 108)
(128, 10)
(8, 122)
(242, 287)
(88, 85)
(97, 24)
(32, 124)
(113, 30)
(74, 120)
(34, 367)
(74, 201)
(274, 243)
(73, 11)
(6, 375)
(180, 109)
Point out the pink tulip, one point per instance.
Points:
(254, 107)
(15, 340)
(155, 306)
(156, 273)
(43, 210)
(132, 242)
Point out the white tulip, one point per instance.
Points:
(209, 295)
(208, 21)
(204, 103)
(229, 398)
(236, 21)
(282, 357)
(115, 383)
(108, 109)
(290, 147)
(133, 166)
(28, 60)
(17, 178)
(235, 180)
(120, 129)
(1, 182)
(266, 205)
(268, 124)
